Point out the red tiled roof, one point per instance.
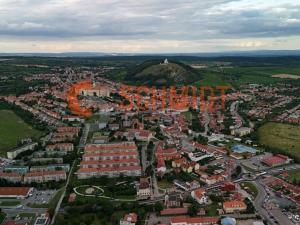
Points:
(275, 160)
(45, 173)
(174, 211)
(199, 192)
(131, 217)
(12, 222)
(9, 174)
(19, 191)
(234, 204)
(89, 170)
(206, 220)
(109, 154)
(109, 161)
(107, 147)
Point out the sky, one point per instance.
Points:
(148, 26)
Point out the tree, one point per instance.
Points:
(158, 207)
(202, 140)
(193, 209)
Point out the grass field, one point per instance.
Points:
(261, 74)
(9, 202)
(282, 136)
(294, 176)
(211, 210)
(237, 75)
(12, 130)
(250, 188)
(164, 184)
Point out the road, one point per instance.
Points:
(14, 211)
(153, 177)
(63, 194)
(259, 201)
(234, 112)
(143, 158)
(207, 120)
(84, 135)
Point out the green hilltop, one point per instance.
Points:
(161, 72)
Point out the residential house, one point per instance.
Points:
(173, 201)
(17, 169)
(200, 196)
(234, 206)
(194, 220)
(45, 176)
(11, 177)
(129, 219)
(111, 159)
(143, 189)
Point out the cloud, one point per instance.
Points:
(131, 20)
(250, 44)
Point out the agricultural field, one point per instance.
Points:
(262, 74)
(12, 130)
(281, 136)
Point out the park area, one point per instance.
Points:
(281, 136)
(12, 130)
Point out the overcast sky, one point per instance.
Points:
(149, 26)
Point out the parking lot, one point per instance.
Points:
(40, 197)
(255, 164)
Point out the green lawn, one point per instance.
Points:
(281, 136)
(188, 115)
(164, 184)
(9, 202)
(12, 130)
(250, 188)
(211, 210)
(294, 176)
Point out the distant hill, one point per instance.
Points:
(254, 53)
(159, 73)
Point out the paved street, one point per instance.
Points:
(259, 201)
(84, 135)
(63, 194)
(143, 158)
(13, 211)
(268, 214)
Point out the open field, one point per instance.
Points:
(286, 76)
(12, 130)
(281, 136)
